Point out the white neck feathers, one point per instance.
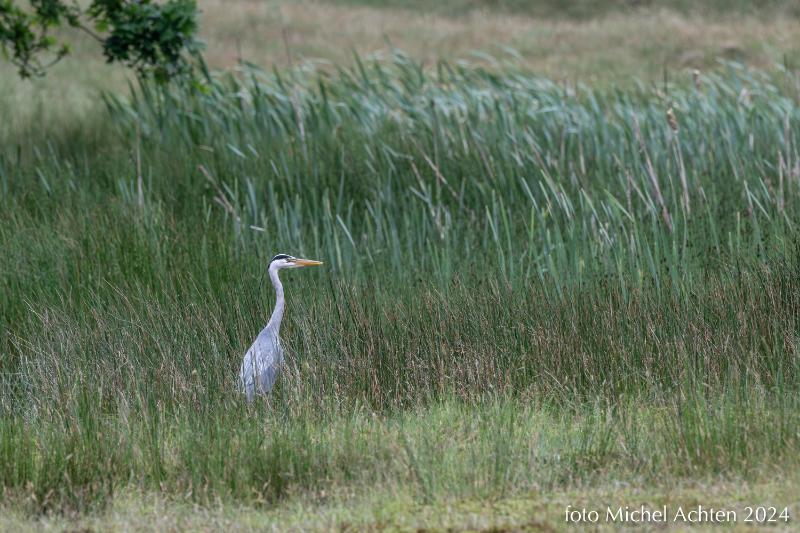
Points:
(277, 314)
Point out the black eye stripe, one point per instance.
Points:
(281, 256)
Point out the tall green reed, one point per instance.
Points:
(528, 285)
(387, 162)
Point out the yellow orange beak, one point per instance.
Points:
(307, 262)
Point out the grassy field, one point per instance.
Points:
(537, 293)
(602, 42)
(534, 511)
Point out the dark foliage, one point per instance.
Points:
(154, 38)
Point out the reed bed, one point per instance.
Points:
(527, 286)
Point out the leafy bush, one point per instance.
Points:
(151, 37)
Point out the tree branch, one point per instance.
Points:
(91, 32)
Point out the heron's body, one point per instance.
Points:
(263, 361)
(262, 364)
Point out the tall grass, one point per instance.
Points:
(527, 285)
(510, 171)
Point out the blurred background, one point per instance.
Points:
(602, 42)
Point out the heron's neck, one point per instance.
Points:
(277, 314)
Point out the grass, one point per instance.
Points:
(610, 48)
(587, 9)
(533, 292)
(533, 511)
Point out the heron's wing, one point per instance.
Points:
(261, 364)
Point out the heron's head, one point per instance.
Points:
(287, 261)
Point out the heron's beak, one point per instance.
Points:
(307, 262)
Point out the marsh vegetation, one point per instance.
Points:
(530, 286)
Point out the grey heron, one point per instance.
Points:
(263, 360)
